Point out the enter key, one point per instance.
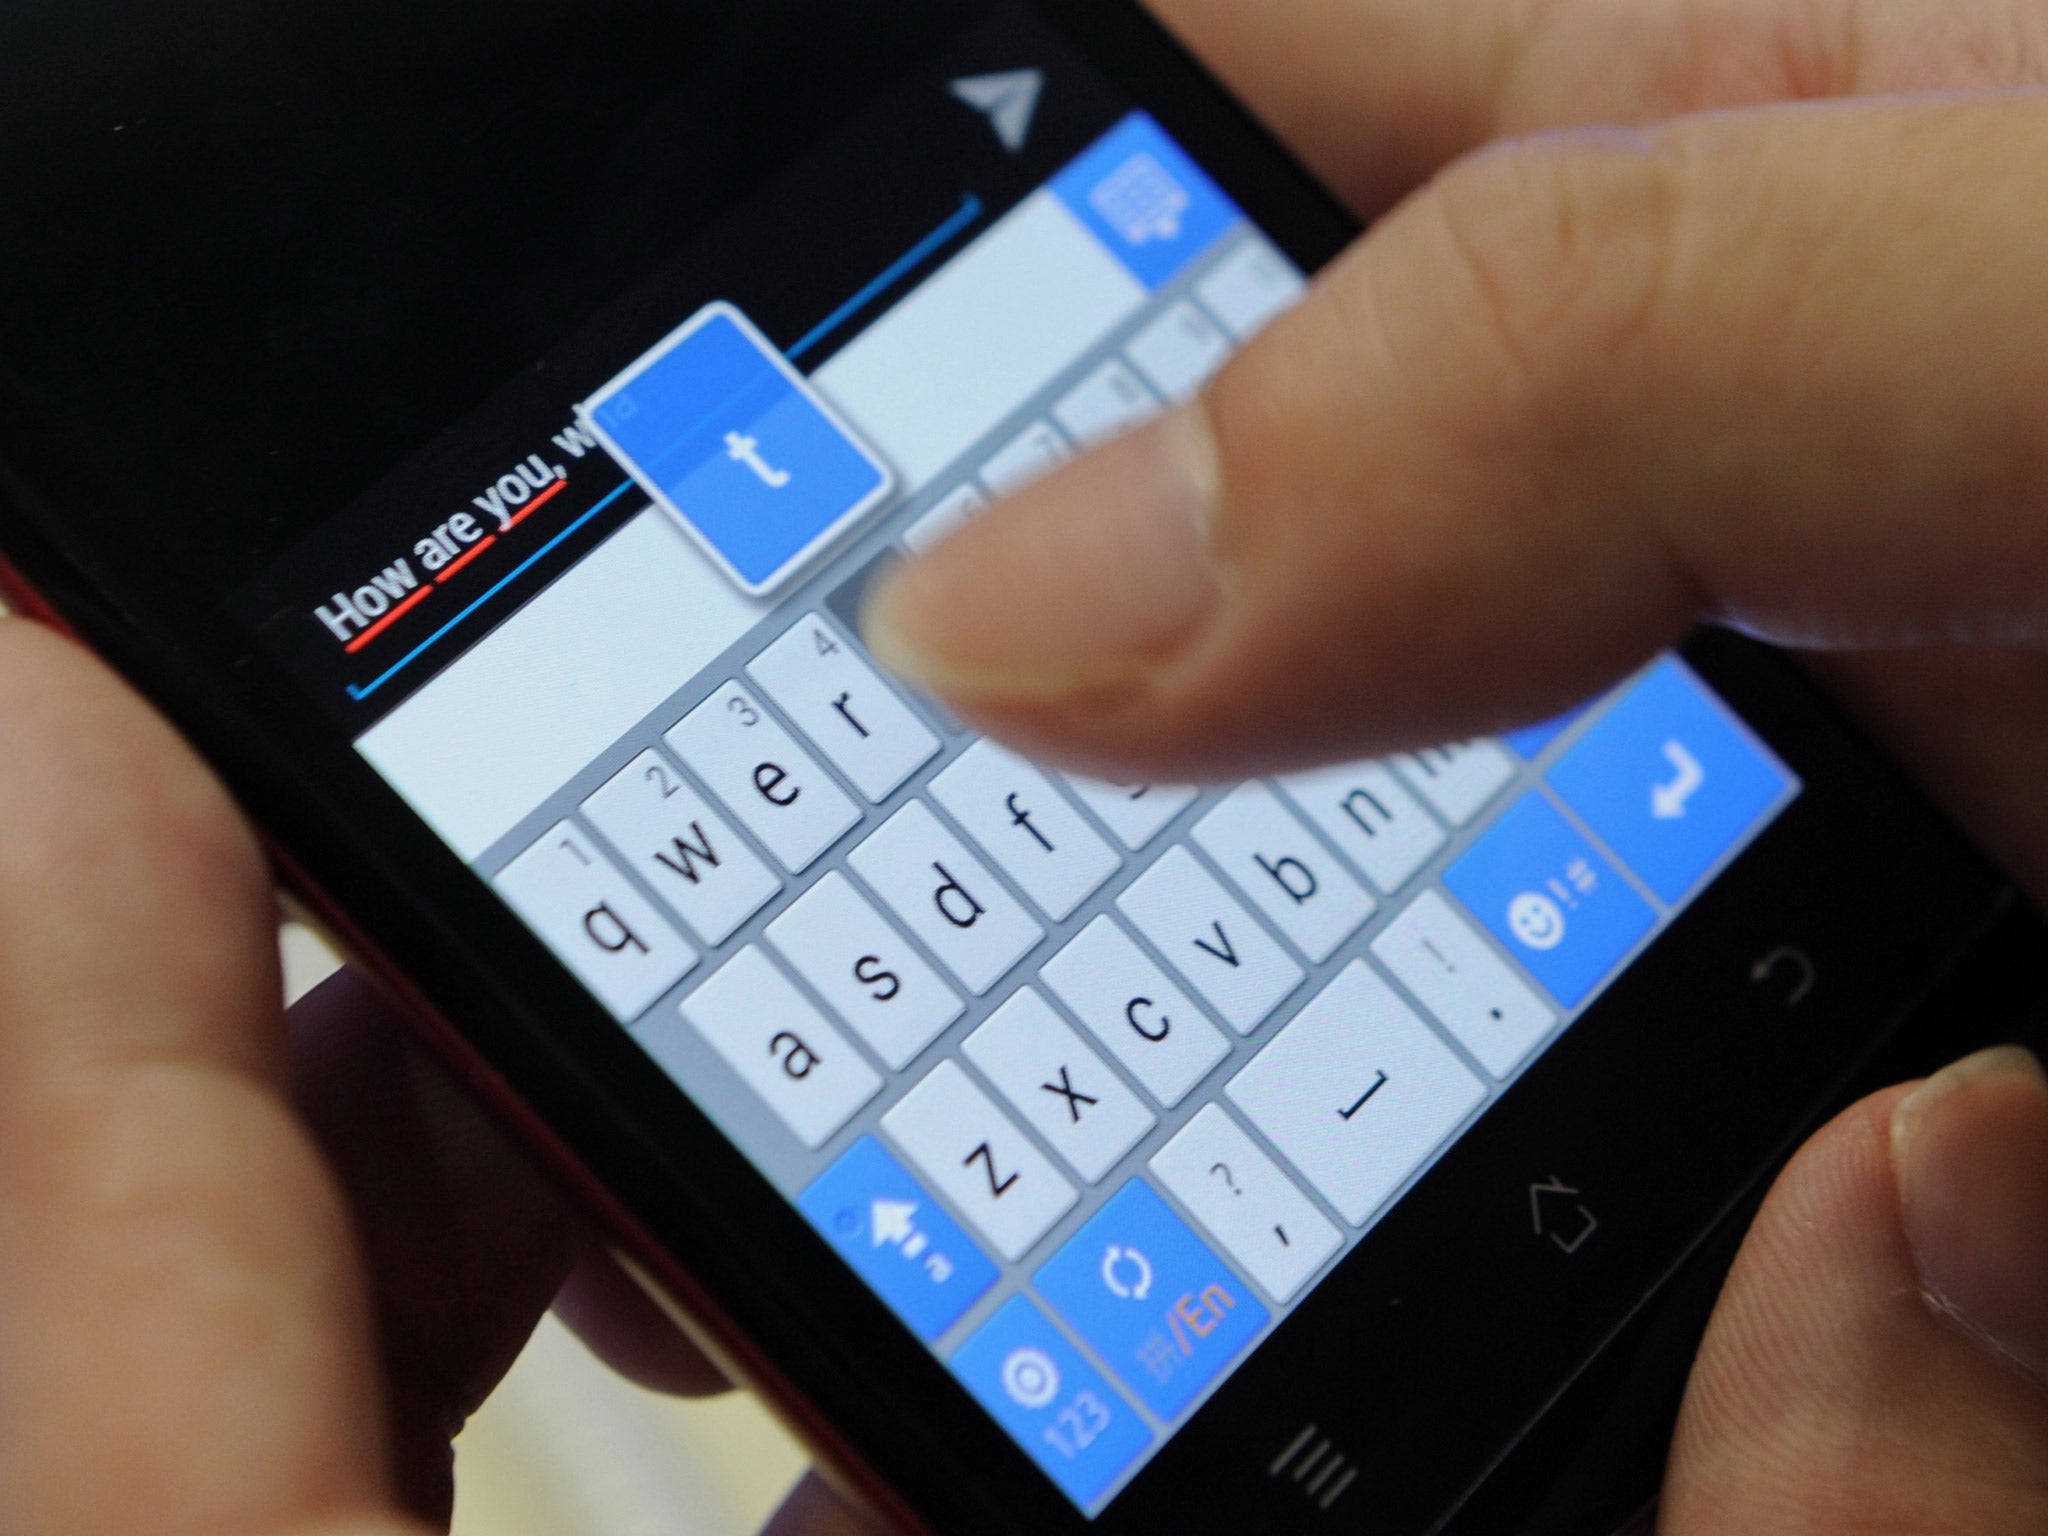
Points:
(1671, 781)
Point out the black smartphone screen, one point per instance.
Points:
(516, 407)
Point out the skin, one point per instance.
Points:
(1766, 363)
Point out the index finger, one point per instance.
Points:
(1774, 368)
(1378, 95)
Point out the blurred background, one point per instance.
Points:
(566, 1448)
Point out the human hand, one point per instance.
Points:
(254, 1279)
(1772, 364)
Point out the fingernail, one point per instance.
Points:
(1970, 1152)
(1083, 583)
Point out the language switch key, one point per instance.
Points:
(1152, 1299)
(731, 441)
(893, 1234)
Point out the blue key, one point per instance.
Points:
(1556, 904)
(1053, 1403)
(1139, 194)
(1670, 780)
(1152, 1299)
(732, 442)
(1528, 743)
(911, 1253)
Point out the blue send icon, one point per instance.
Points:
(731, 441)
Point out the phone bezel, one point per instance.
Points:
(778, 1305)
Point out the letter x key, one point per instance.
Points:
(1065, 1089)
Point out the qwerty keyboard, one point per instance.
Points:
(1004, 1033)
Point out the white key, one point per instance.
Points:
(1251, 288)
(1459, 780)
(786, 1051)
(1246, 1203)
(954, 511)
(975, 1155)
(1357, 1092)
(681, 847)
(1136, 813)
(588, 913)
(763, 777)
(1026, 826)
(865, 969)
(1147, 1022)
(1374, 822)
(1278, 864)
(1106, 404)
(946, 896)
(1219, 948)
(842, 704)
(1473, 993)
(1179, 351)
(1031, 455)
(1063, 1090)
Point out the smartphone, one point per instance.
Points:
(476, 425)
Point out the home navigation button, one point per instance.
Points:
(1559, 1216)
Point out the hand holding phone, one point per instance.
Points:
(1366, 508)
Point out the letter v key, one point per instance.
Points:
(1222, 949)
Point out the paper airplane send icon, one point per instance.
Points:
(1009, 100)
(891, 1221)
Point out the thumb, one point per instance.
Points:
(1774, 368)
(1876, 1360)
